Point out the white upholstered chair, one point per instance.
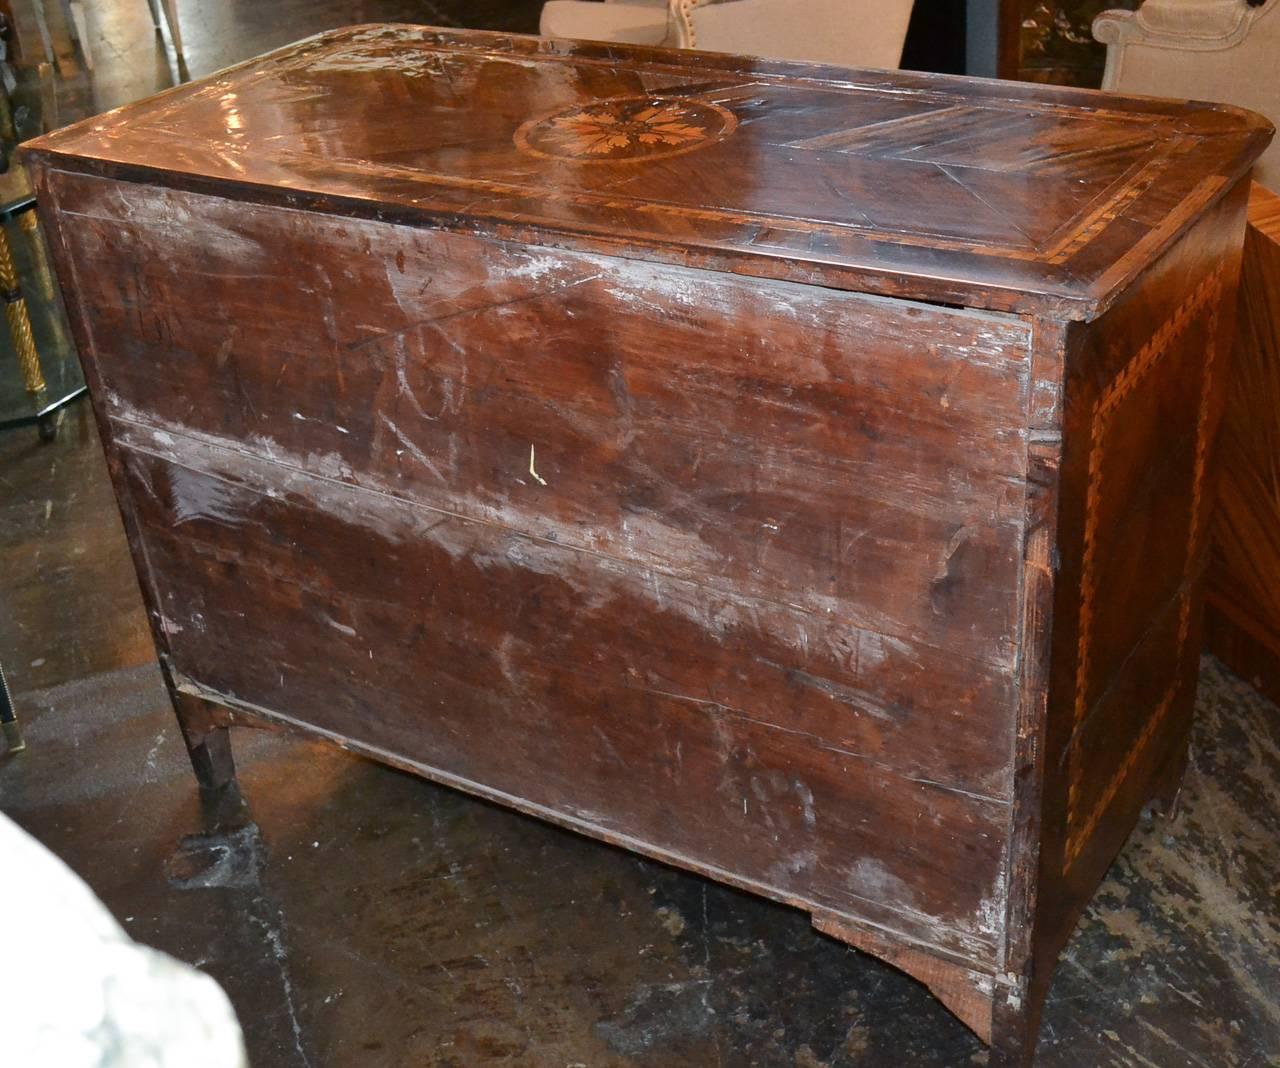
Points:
(627, 21)
(1222, 50)
(850, 33)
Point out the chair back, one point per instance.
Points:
(847, 33)
(1220, 50)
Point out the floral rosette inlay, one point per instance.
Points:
(640, 128)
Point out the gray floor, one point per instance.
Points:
(358, 916)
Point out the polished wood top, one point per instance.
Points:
(1007, 196)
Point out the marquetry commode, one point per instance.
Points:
(795, 474)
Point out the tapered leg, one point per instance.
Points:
(208, 743)
(175, 27)
(81, 31)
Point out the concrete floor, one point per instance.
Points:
(359, 916)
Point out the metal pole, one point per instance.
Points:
(9, 718)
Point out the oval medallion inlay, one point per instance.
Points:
(630, 128)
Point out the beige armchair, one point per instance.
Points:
(1224, 50)
(865, 33)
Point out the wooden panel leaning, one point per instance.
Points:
(797, 475)
(1242, 608)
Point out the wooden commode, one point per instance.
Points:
(798, 475)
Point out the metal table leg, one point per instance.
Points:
(46, 407)
(9, 718)
(15, 311)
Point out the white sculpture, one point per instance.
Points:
(79, 993)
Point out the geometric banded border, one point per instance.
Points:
(1205, 297)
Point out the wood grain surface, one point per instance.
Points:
(1243, 612)
(465, 408)
(651, 574)
(1132, 546)
(1016, 197)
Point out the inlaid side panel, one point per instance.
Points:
(1148, 442)
(1143, 404)
(724, 570)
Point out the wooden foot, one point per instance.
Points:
(1015, 1026)
(1167, 791)
(1011, 1056)
(965, 992)
(208, 744)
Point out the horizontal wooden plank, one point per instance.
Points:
(910, 708)
(854, 457)
(735, 733)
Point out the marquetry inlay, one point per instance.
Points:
(1204, 301)
(624, 130)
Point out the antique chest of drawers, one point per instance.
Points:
(795, 474)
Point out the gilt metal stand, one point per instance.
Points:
(45, 402)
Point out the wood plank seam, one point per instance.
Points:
(728, 710)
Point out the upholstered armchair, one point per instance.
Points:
(1225, 50)
(869, 33)
(628, 21)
